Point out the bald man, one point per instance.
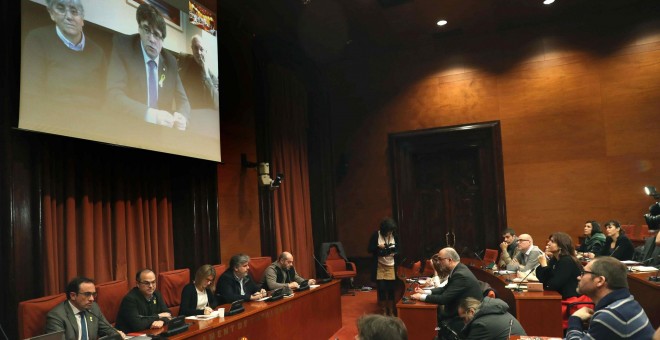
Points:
(282, 274)
(527, 257)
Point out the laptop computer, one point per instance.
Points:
(59, 335)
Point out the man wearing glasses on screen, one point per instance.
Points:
(143, 307)
(79, 316)
(143, 79)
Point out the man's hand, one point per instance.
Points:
(165, 315)
(312, 281)
(419, 290)
(584, 313)
(504, 245)
(157, 324)
(163, 118)
(416, 296)
(180, 121)
(294, 285)
(123, 336)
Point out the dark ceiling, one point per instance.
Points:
(386, 24)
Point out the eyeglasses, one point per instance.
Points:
(89, 294)
(62, 9)
(582, 272)
(523, 240)
(443, 258)
(148, 283)
(149, 31)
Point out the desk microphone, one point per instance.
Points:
(614, 251)
(325, 270)
(3, 333)
(518, 289)
(104, 321)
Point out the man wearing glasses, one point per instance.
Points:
(79, 316)
(527, 257)
(143, 307)
(461, 283)
(616, 314)
(143, 79)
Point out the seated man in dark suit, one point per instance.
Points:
(143, 79)
(461, 283)
(235, 283)
(143, 307)
(79, 316)
(281, 273)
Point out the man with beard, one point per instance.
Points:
(281, 274)
(509, 247)
(143, 307)
(461, 284)
(616, 314)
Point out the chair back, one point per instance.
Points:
(570, 305)
(258, 266)
(109, 298)
(32, 314)
(219, 269)
(171, 285)
(490, 256)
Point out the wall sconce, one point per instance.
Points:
(263, 171)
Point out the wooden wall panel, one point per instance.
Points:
(578, 114)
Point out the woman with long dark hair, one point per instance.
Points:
(617, 244)
(383, 245)
(561, 271)
(594, 239)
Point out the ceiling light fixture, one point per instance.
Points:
(548, 2)
(442, 22)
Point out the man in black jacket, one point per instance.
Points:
(235, 283)
(461, 283)
(143, 307)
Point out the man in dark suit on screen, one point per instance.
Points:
(461, 283)
(143, 79)
(79, 315)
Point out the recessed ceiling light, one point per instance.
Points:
(442, 22)
(547, 2)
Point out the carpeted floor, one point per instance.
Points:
(352, 308)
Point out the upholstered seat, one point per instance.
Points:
(171, 285)
(32, 314)
(258, 266)
(109, 298)
(338, 267)
(219, 269)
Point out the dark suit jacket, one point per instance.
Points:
(137, 314)
(229, 290)
(62, 318)
(189, 300)
(127, 79)
(460, 284)
(623, 248)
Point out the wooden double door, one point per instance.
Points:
(448, 189)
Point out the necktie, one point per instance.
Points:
(83, 326)
(152, 83)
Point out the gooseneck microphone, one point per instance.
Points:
(104, 321)
(3, 333)
(518, 289)
(325, 270)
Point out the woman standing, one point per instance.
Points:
(383, 245)
(198, 297)
(561, 271)
(594, 239)
(617, 244)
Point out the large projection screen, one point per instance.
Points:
(101, 92)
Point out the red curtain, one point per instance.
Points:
(101, 218)
(292, 210)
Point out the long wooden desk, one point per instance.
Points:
(312, 314)
(647, 293)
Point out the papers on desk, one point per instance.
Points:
(314, 286)
(137, 336)
(515, 286)
(628, 262)
(214, 314)
(529, 279)
(264, 298)
(504, 272)
(643, 269)
(288, 296)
